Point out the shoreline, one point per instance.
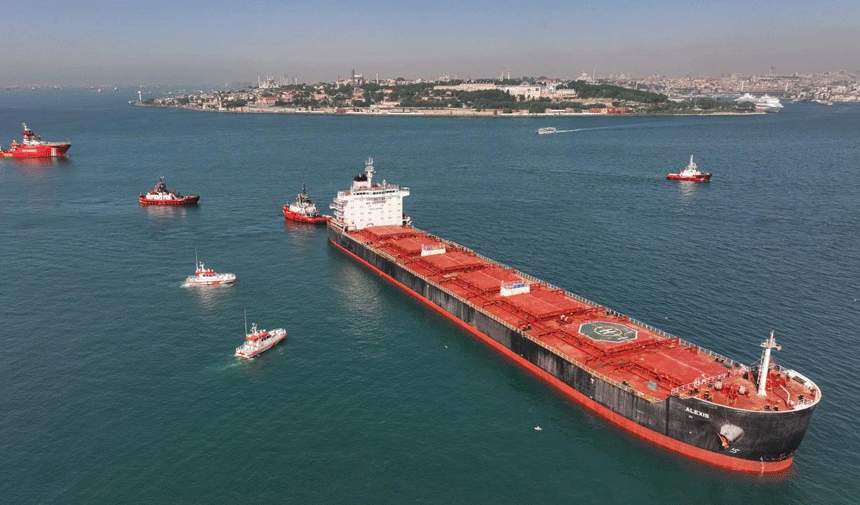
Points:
(467, 113)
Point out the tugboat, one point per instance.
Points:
(691, 173)
(160, 195)
(32, 146)
(206, 276)
(259, 341)
(304, 210)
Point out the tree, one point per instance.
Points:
(230, 104)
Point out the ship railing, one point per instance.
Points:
(803, 403)
(595, 373)
(709, 381)
(570, 359)
(715, 355)
(681, 341)
(739, 367)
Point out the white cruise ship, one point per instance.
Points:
(764, 103)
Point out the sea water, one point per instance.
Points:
(119, 386)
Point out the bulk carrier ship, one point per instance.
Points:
(656, 385)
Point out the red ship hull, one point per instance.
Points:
(51, 150)
(697, 178)
(185, 200)
(293, 216)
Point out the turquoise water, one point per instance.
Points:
(119, 386)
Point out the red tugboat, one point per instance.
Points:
(304, 210)
(160, 195)
(691, 173)
(32, 146)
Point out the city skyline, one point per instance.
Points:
(218, 42)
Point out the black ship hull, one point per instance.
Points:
(735, 439)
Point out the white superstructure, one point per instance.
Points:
(366, 204)
(764, 103)
(768, 104)
(259, 341)
(207, 277)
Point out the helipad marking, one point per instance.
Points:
(607, 332)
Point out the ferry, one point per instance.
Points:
(658, 386)
(259, 341)
(546, 130)
(304, 210)
(32, 146)
(207, 277)
(690, 173)
(160, 195)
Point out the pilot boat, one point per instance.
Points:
(259, 341)
(207, 277)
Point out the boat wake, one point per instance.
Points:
(614, 127)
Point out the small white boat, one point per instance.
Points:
(259, 341)
(207, 277)
(546, 130)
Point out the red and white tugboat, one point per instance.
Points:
(304, 210)
(207, 277)
(160, 195)
(32, 146)
(259, 341)
(691, 173)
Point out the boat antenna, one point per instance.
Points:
(246, 320)
(195, 259)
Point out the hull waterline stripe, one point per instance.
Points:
(701, 455)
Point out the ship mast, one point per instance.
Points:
(369, 170)
(767, 345)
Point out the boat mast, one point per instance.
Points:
(767, 345)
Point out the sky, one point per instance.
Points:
(83, 43)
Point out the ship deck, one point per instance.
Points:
(624, 351)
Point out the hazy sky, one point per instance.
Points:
(215, 42)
